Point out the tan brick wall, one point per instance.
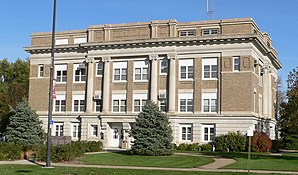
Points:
(98, 36)
(163, 80)
(78, 86)
(61, 87)
(69, 87)
(163, 31)
(232, 29)
(130, 34)
(197, 84)
(246, 63)
(130, 86)
(237, 92)
(39, 94)
(41, 41)
(227, 64)
(209, 84)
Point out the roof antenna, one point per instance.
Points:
(210, 8)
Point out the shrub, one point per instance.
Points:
(188, 147)
(261, 142)
(231, 141)
(10, 151)
(206, 147)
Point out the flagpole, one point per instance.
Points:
(48, 161)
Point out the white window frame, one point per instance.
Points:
(61, 41)
(142, 98)
(188, 64)
(186, 33)
(120, 98)
(60, 131)
(236, 64)
(99, 70)
(61, 68)
(80, 40)
(163, 104)
(40, 72)
(82, 74)
(60, 98)
(211, 62)
(261, 76)
(75, 130)
(209, 31)
(188, 136)
(121, 66)
(96, 105)
(208, 126)
(260, 105)
(187, 97)
(92, 130)
(142, 65)
(164, 65)
(210, 96)
(80, 98)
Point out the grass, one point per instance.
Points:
(37, 170)
(125, 159)
(261, 161)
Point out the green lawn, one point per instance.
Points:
(37, 170)
(125, 159)
(261, 161)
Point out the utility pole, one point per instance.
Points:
(48, 161)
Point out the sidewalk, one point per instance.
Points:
(213, 167)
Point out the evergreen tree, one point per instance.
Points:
(24, 126)
(153, 133)
(289, 113)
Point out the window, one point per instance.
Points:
(75, 130)
(186, 132)
(209, 102)
(40, 70)
(139, 101)
(60, 103)
(98, 105)
(58, 129)
(61, 73)
(186, 102)
(261, 72)
(163, 105)
(186, 69)
(260, 105)
(210, 32)
(120, 71)
(99, 69)
(208, 134)
(141, 70)
(236, 63)
(61, 41)
(164, 66)
(210, 68)
(94, 130)
(119, 102)
(80, 40)
(187, 33)
(79, 103)
(79, 73)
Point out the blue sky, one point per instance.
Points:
(19, 18)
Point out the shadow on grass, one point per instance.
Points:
(24, 171)
(253, 155)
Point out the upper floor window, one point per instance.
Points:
(78, 103)
(210, 68)
(261, 73)
(236, 63)
(80, 40)
(99, 69)
(164, 66)
(209, 102)
(61, 41)
(61, 73)
(60, 103)
(98, 105)
(162, 97)
(120, 71)
(187, 33)
(140, 70)
(40, 70)
(186, 69)
(213, 31)
(119, 102)
(260, 106)
(139, 102)
(186, 102)
(79, 72)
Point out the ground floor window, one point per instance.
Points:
(94, 130)
(75, 130)
(58, 129)
(208, 134)
(186, 132)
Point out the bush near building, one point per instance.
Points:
(10, 151)
(232, 141)
(260, 142)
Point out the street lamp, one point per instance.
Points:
(48, 161)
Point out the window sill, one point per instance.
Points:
(186, 80)
(210, 79)
(140, 81)
(119, 81)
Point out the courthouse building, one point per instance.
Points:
(209, 77)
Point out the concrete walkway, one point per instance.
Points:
(213, 167)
